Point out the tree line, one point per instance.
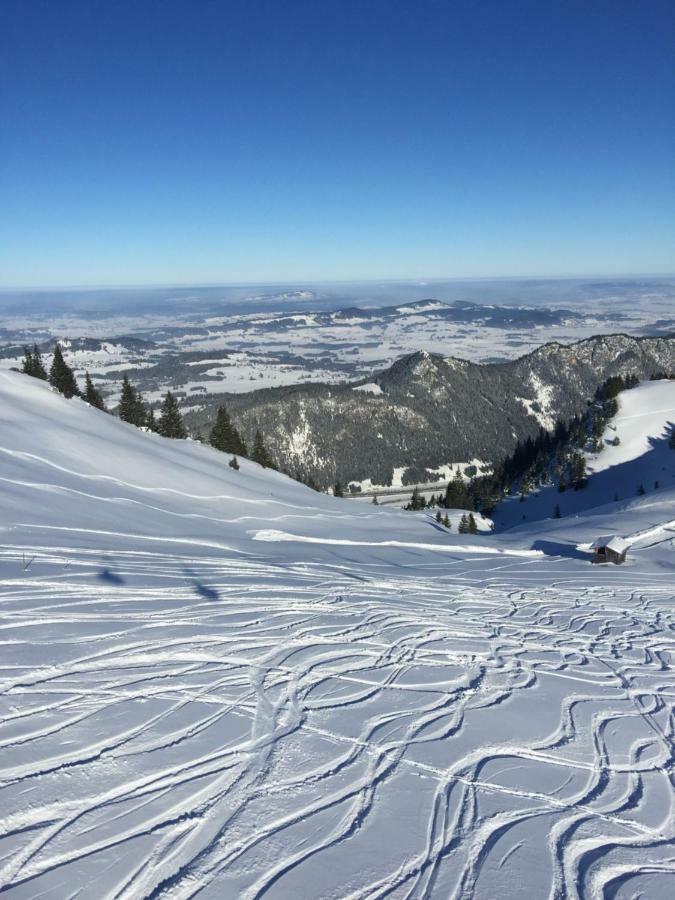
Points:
(60, 376)
(223, 435)
(552, 457)
(134, 410)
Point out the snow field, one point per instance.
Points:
(223, 684)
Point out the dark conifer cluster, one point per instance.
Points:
(61, 376)
(467, 524)
(556, 456)
(443, 519)
(133, 409)
(225, 437)
(91, 394)
(260, 453)
(416, 501)
(32, 363)
(552, 457)
(170, 422)
(459, 494)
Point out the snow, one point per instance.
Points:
(643, 424)
(431, 306)
(370, 388)
(611, 542)
(646, 414)
(224, 684)
(399, 494)
(540, 407)
(300, 439)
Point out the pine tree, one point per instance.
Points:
(28, 366)
(260, 454)
(417, 501)
(446, 520)
(439, 517)
(224, 436)
(463, 524)
(337, 490)
(151, 422)
(131, 407)
(61, 375)
(556, 512)
(456, 493)
(473, 528)
(140, 410)
(170, 419)
(91, 394)
(39, 370)
(578, 471)
(32, 363)
(234, 463)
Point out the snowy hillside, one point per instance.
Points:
(641, 459)
(644, 422)
(224, 684)
(432, 409)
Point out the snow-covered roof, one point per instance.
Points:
(611, 542)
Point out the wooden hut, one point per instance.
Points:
(610, 548)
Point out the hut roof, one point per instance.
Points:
(611, 542)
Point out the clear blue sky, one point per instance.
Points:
(202, 141)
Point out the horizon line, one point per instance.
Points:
(420, 281)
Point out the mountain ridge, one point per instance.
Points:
(427, 410)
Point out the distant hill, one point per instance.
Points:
(427, 410)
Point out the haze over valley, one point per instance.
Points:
(205, 341)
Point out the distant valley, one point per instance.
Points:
(371, 395)
(199, 345)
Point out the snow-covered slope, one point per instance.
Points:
(69, 468)
(223, 684)
(644, 422)
(641, 460)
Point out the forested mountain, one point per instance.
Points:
(428, 410)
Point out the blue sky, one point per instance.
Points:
(202, 141)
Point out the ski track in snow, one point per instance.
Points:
(293, 732)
